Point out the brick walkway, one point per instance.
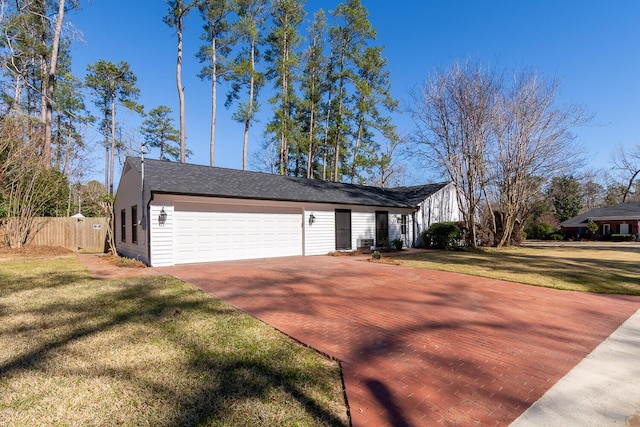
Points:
(421, 347)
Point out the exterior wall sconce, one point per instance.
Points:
(162, 218)
(312, 219)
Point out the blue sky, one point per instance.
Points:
(592, 47)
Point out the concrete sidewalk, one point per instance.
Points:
(602, 390)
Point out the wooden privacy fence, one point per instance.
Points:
(76, 234)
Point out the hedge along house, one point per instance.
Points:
(170, 213)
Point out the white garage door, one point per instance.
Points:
(205, 232)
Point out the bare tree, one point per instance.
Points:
(497, 139)
(453, 114)
(106, 208)
(27, 183)
(389, 171)
(533, 140)
(626, 162)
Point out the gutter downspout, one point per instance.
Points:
(143, 220)
(148, 210)
(416, 232)
(145, 210)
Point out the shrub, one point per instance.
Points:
(441, 235)
(556, 236)
(623, 237)
(540, 230)
(425, 236)
(592, 228)
(397, 244)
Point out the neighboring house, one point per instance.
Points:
(182, 213)
(623, 218)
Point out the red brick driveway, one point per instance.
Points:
(421, 347)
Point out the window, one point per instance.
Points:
(123, 225)
(134, 224)
(403, 224)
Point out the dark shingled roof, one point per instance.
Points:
(622, 211)
(181, 178)
(418, 193)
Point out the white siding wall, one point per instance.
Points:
(320, 237)
(363, 225)
(395, 227)
(129, 195)
(442, 206)
(161, 234)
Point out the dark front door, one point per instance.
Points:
(382, 228)
(343, 229)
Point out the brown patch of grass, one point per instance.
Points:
(350, 253)
(120, 261)
(33, 251)
(614, 271)
(148, 351)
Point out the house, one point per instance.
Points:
(623, 218)
(170, 213)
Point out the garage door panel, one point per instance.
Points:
(216, 233)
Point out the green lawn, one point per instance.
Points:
(148, 351)
(615, 271)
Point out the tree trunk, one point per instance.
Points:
(284, 148)
(106, 153)
(247, 122)
(183, 137)
(629, 185)
(214, 96)
(16, 107)
(67, 153)
(43, 108)
(311, 133)
(58, 156)
(339, 121)
(51, 78)
(326, 137)
(355, 150)
(508, 224)
(113, 145)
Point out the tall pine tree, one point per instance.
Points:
(349, 36)
(158, 132)
(216, 33)
(111, 83)
(284, 40)
(313, 86)
(178, 10)
(244, 71)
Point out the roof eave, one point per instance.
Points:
(267, 199)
